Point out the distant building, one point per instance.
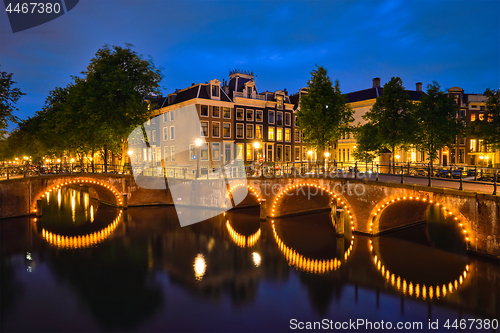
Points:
(234, 115)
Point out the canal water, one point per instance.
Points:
(88, 267)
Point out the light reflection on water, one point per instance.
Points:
(150, 274)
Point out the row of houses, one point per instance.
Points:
(237, 122)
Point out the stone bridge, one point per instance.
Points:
(371, 207)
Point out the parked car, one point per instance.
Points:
(418, 172)
(471, 172)
(443, 173)
(457, 173)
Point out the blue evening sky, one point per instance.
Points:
(456, 43)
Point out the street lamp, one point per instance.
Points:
(198, 144)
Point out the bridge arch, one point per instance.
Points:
(251, 190)
(306, 264)
(109, 194)
(422, 204)
(338, 200)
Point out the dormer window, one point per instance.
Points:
(215, 89)
(249, 92)
(279, 103)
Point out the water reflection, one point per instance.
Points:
(153, 275)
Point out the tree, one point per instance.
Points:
(390, 122)
(488, 129)
(116, 84)
(366, 148)
(323, 114)
(437, 123)
(8, 97)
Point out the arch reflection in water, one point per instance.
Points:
(415, 288)
(241, 240)
(81, 241)
(308, 264)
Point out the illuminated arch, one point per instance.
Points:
(251, 190)
(116, 194)
(457, 216)
(81, 241)
(418, 290)
(241, 240)
(340, 200)
(307, 264)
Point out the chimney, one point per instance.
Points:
(419, 86)
(376, 82)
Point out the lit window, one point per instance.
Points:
(249, 152)
(270, 134)
(297, 153)
(287, 135)
(279, 103)
(226, 113)
(204, 152)
(258, 131)
(473, 117)
(279, 134)
(481, 116)
(239, 151)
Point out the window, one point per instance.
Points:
(215, 91)
(279, 134)
(239, 151)
(204, 110)
(304, 153)
(204, 152)
(165, 117)
(215, 111)
(172, 153)
(297, 153)
(462, 113)
(259, 115)
(215, 129)
(258, 131)
(239, 131)
(461, 155)
(249, 131)
(171, 115)
(239, 114)
(279, 118)
(288, 119)
(154, 135)
(172, 133)
(249, 92)
(296, 135)
(271, 117)
(481, 116)
(226, 113)
(295, 121)
(288, 153)
(192, 152)
(452, 155)
(270, 134)
(473, 117)
(472, 145)
(481, 108)
(288, 135)
(249, 152)
(165, 133)
(279, 153)
(249, 115)
(216, 151)
(204, 128)
(227, 130)
(279, 103)
(165, 153)
(461, 141)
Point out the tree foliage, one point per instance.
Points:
(437, 123)
(323, 114)
(8, 98)
(390, 122)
